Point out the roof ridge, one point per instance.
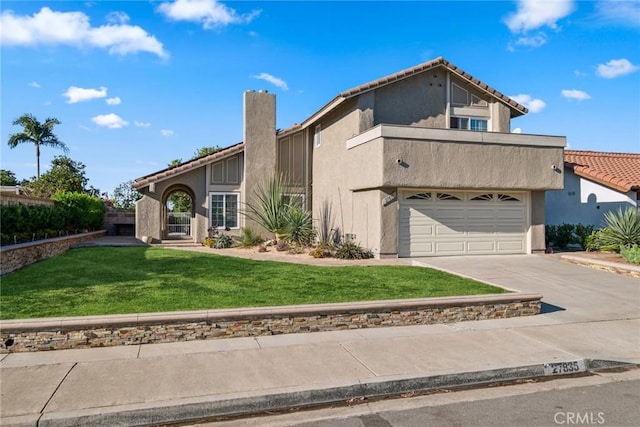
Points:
(439, 61)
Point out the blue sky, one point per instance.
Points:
(137, 84)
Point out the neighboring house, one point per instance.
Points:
(418, 163)
(594, 183)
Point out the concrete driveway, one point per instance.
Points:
(572, 293)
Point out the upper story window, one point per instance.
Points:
(468, 123)
(316, 136)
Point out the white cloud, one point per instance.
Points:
(616, 68)
(273, 80)
(619, 12)
(533, 41)
(48, 27)
(516, 130)
(118, 18)
(166, 132)
(113, 101)
(112, 121)
(211, 13)
(34, 84)
(532, 14)
(575, 94)
(579, 73)
(533, 105)
(141, 124)
(77, 94)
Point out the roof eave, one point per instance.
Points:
(167, 173)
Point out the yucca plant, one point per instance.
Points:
(622, 228)
(269, 208)
(299, 229)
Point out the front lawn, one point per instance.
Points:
(104, 280)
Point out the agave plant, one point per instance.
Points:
(622, 228)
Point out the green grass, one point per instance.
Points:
(102, 280)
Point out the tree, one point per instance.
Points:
(125, 196)
(179, 201)
(7, 177)
(66, 175)
(39, 134)
(205, 151)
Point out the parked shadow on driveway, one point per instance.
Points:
(550, 308)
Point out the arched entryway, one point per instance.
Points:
(178, 202)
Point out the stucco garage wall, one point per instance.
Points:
(470, 165)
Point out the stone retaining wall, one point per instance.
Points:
(14, 257)
(105, 331)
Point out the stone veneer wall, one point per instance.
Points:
(14, 257)
(105, 331)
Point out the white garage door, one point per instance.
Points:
(436, 222)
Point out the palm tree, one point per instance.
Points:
(36, 133)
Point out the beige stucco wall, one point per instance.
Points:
(330, 169)
(418, 101)
(466, 165)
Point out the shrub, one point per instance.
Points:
(320, 252)
(83, 211)
(249, 238)
(631, 253)
(581, 233)
(622, 227)
(351, 250)
(299, 229)
(223, 241)
(560, 236)
(208, 242)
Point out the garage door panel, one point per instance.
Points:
(480, 229)
(449, 229)
(481, 247)
(515, 246)
(467, 226)
(449, 247)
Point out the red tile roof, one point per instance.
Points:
(620, 171)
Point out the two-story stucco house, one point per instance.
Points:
(418, 163)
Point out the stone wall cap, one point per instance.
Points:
(234, 313)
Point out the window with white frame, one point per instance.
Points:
(468, 123)
(316, 136)
(297, 199)
(223, 211)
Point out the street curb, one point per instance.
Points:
(207, 407)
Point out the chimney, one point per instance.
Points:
(260, 149)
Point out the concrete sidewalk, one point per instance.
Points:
(590, 315)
